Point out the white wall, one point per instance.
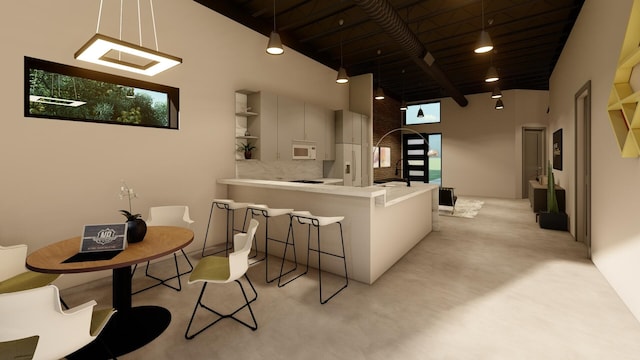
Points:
(591, 54)
(58, 175)
(481, 146)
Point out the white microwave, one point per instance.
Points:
(303, 152)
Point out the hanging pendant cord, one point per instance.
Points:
(99, 16)
(341, 62)
(482, 15)
(139, 25)
(121, 7)
(153, 19)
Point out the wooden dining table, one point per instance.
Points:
(131, 327)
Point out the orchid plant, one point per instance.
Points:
(128, 193)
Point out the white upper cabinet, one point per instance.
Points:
(349, 127)
(290, 125)
(317, 120)
(265, 125)
(275, 122)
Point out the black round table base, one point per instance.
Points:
(126, 332)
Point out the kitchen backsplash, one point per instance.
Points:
(279, 170)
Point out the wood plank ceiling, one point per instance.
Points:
(528, 36)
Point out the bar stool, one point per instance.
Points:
(267, 213)
(230, 206)
(305, 217)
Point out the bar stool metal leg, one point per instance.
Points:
(268, 213)
(290, 233)
(343, 257)
(230, 207)
(305, 217)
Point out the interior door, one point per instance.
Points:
(582, 107)
(533, 140)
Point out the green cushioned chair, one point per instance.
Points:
(14, 276)
(38, 312)
(222, 270)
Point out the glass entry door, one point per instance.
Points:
(419, 166)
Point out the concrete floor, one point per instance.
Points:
(493, 287)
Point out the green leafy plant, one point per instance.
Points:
(246, 147)
(552, 201)
(130, 216)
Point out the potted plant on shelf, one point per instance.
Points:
(553, 218)
(246, 148)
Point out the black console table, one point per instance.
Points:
(538, 196)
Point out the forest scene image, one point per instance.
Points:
(69, 97)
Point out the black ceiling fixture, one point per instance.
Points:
(529, 33)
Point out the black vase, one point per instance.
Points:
(136, 230)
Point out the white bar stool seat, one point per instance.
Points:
(306, 217)
(230, 206)
(267, 212)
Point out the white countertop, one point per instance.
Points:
(386, 194)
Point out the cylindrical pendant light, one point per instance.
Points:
(342, 77)
(379, 94)
(499, 105)
(496, 94)
(484, 43)
(274, 47)
(492, 75)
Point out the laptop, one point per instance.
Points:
(101, 242)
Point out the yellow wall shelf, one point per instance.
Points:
(624, 100)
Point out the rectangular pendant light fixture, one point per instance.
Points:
(107, 51)
(56, 101)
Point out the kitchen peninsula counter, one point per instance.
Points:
(382, 222)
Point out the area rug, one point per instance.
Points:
(465, 208)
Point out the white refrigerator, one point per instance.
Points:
(348, 164)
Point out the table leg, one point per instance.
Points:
(130, 328)
(122, 289)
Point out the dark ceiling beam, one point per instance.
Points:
(383, 13)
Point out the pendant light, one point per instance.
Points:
(420, 112)
(499, 105)
(342, 78)
(492, 75)
(274, 47)
(484, 43)
(403, 104)
(496, 94)
(107, 51)
(379, 94)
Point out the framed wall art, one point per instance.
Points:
(557, 149)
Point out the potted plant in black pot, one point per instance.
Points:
(553, 218)
(246, 148)
(136, 227)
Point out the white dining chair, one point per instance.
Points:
(173, 215)
(221, 270)
(38, 312)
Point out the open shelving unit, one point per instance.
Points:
(244, 116)
(624, 99)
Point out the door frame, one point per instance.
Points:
(543, 154)
(583, 233)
